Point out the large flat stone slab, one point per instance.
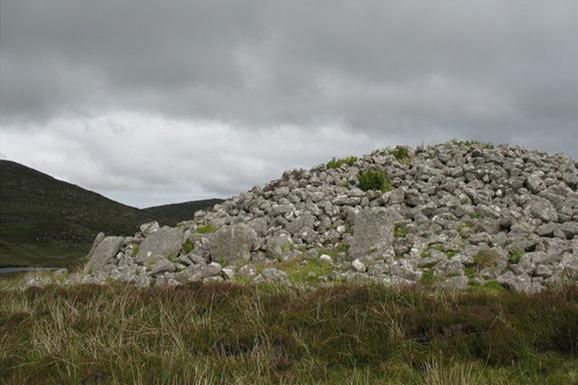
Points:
(103, 253)
(372, 233)
(166, 241)
(232, 243)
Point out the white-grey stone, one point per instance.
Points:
(232, 243)
(103, 253)
(165, 241)
(359, 266)
(372, 232)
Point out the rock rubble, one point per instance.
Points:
(454, 215)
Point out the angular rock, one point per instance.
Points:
(149, 228)
(162, 265)
(359, 266)
(166, 241)
(542, 209)
(99, 237)
(279, 246)
(103, 254)
(273, 275)
(373, 233)
(232, 243)
(196, 273)
(570, 229)
(303, 221)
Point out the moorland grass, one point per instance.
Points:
(247, 334)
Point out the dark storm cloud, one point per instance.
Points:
(408, 71)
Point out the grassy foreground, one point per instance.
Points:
(241, 334)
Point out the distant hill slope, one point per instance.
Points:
(45, 221)
(178, 212)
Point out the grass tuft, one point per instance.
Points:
(515, 256)
(401, 154)
(486, 259)
(374, 180)
(206, 229)
(337, 163)
(188, 246)
(400, 230)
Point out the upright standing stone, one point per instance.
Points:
(103, 254)
(232, 242)
(373, 233)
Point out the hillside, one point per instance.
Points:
(177, 212)
(45, 221)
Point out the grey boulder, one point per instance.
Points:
(103, 253)
(542, 209)
(195, 273)
(372, 233)
(273, 275)
(149, 228)
(166, 241)
(232, 243)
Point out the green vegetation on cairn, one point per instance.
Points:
(207, 229)
(516, 255)
(262, 335)
(400, 230)
(188, 246)
(427, 278)
(473, 143)
(401, 154)
(333, 252)
(490, 285)
(486, 259)
(336, 163)
(426, 252)
(374, 180)
(471, 272)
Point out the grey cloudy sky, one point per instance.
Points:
(152, 102)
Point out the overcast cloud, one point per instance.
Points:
(153, 102)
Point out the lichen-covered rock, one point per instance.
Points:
(359, 266)
(304, 221)
(166, 241)
(373, 233)
(99, 237)
(278, 246)
(233, 243)
(273, 275)
(149, 228)
(196, 273)
(36, 281)
(542, 209)
(162, 265)
(103, 253)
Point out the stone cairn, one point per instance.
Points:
(451, 215)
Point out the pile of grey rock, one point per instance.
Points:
(455, 215)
